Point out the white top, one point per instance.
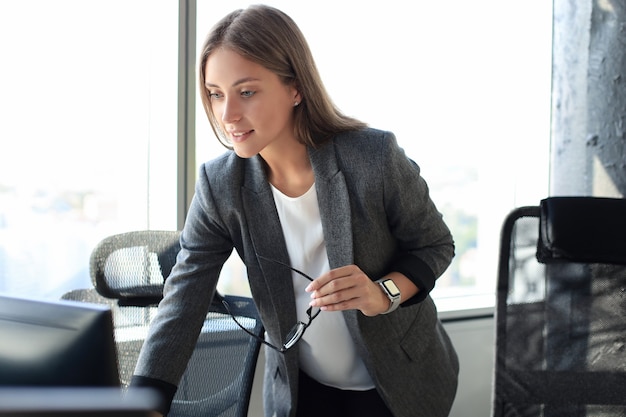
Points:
(327, 352)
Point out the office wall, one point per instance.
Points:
(473, 337)
(474, 341)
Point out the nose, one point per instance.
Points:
(231, 112)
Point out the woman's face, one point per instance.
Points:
(252, 105)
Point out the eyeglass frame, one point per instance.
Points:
(297, 331)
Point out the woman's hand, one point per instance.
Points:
(348, 288)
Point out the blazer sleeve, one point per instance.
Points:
(187, 294)
(426, 246)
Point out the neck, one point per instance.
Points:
(289, 169)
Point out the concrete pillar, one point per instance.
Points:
(589, 98)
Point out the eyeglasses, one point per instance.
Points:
(297, 331)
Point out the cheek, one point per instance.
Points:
(276, 114)
(216, 110)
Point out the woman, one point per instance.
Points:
(306, 191)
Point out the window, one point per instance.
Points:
(465, 86)
(89, 104)
(88, 101)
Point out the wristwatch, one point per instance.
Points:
(392, 292)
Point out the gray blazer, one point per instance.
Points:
(376, 213)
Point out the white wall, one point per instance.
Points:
(474, 342)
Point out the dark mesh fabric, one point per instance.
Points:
(130, 270)
(560, 331)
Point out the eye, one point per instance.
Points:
(214, 95)
(247, 93)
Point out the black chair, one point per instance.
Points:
(128, 271)
(561, 310)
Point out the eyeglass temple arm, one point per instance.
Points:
(286, 266)
(260, 339)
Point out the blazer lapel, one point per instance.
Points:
(268, 241)
(334, 204)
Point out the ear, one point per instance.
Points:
(295, 92)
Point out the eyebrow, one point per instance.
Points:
(236, 83)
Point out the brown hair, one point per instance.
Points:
(270, 38)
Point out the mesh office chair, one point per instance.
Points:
(561, 310)
(128, 272)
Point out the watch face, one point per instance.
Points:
(391, 287)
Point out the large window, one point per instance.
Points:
(465, 86)
(89, 105)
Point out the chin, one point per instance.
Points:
(244, 153)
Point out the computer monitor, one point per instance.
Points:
(78, 402)
(56, 344)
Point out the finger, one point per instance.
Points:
(328, 277)
(361, 294)
(345, 292)
(331, 296)
(332, 291)
(343, 305)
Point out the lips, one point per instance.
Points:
(238, 137)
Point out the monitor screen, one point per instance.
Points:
(56, 343)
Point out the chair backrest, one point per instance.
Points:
(128, 271)
(561, 310)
